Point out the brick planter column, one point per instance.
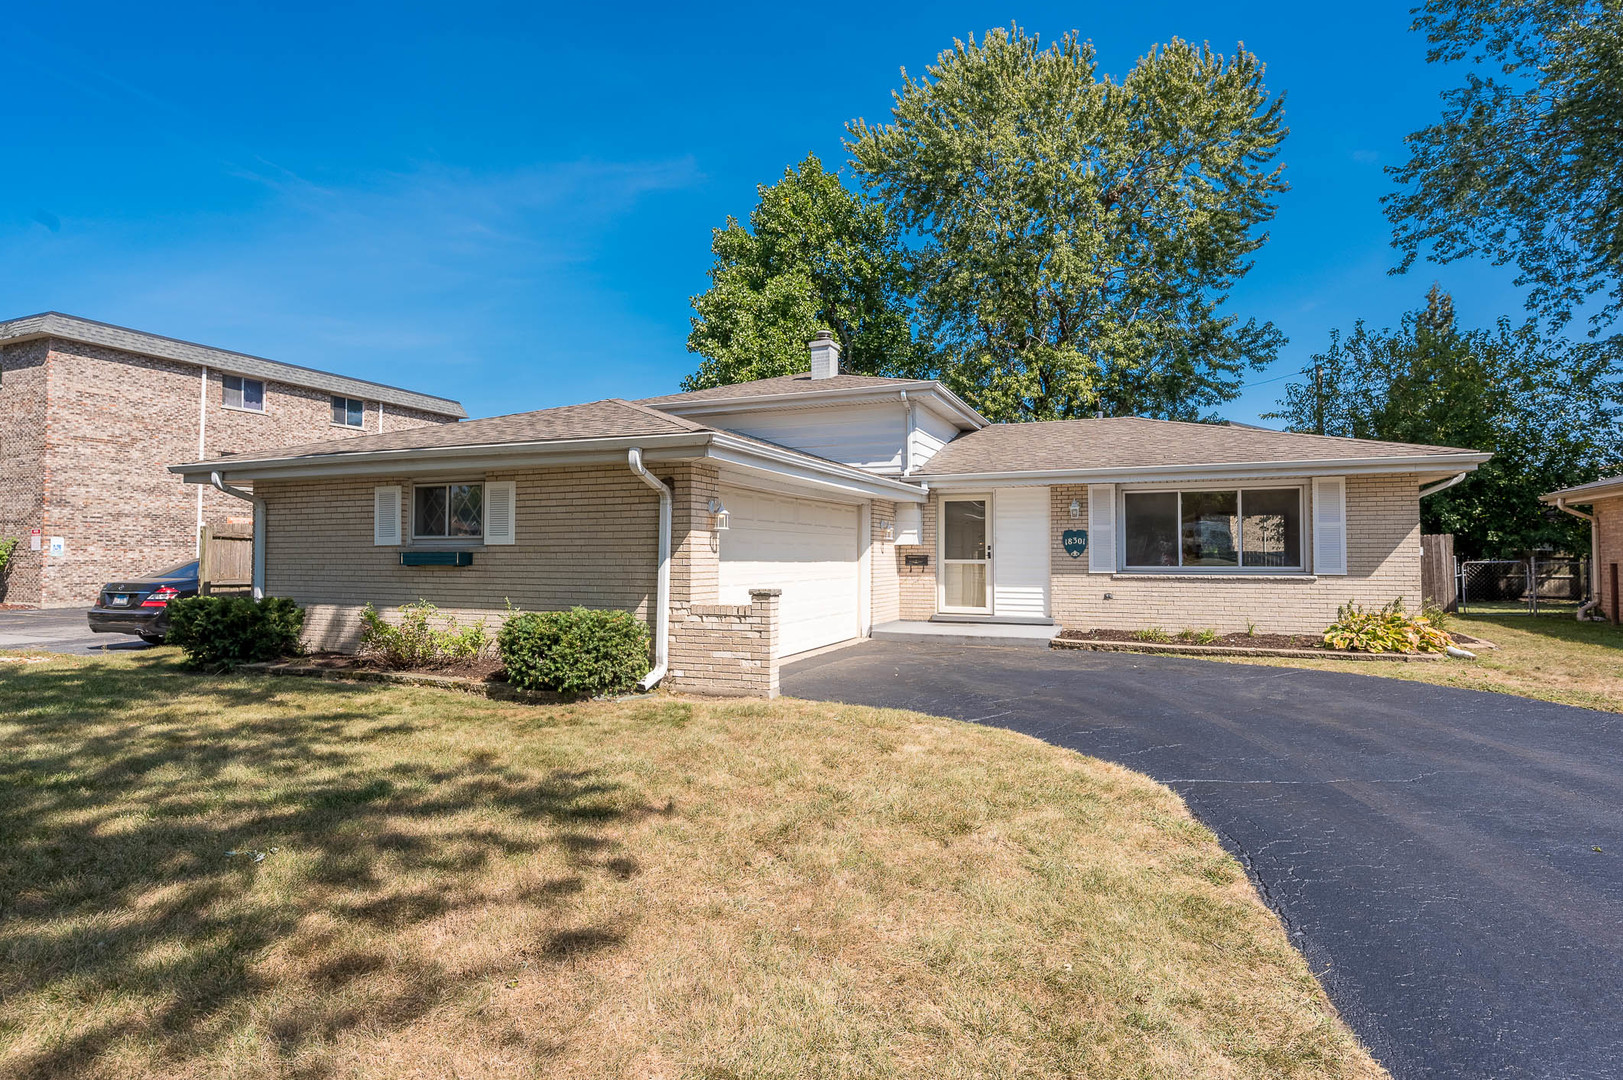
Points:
(729, 650)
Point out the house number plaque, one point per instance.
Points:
(1075, 542)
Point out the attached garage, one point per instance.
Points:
(808, 548)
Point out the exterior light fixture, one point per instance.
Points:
(721, 515)
(1076, 509)
(887, 531)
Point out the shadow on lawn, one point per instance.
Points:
(126, 787)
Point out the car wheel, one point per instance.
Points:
(151, 639)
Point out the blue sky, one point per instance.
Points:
(512, 205)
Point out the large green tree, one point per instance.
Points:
(1547, 408)
(815, 256)
(1526, 164)
(1076, 237)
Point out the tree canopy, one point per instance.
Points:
(815, 256)
(1546, 408)
(1526, 164)
(1076, 237)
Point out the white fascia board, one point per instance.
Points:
(1440, 464)
(674, 447)
(946, 402)
(829, 476)
(1585, 494)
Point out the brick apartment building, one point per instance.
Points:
(92, 415)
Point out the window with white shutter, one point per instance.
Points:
(500, 510)
(1329, 525)
(1101, 528)
(386, 516)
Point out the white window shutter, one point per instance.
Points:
(500, 497)
(1101, 528)
(386, 516)
(1329, 525)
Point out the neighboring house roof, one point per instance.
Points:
(803, 390)
(595, 431)
(1604, 488)
(52, 324)
(1138, 445)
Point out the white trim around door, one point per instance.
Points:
(964, 543)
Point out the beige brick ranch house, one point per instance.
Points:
(92, 415)
(757, 521)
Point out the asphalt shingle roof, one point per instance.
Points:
(1133, 442)
(780, 384)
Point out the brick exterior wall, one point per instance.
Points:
(113, 422)
(726, 649)
(585, 535)
(22, 463)
(1383, 562)
(885, 598)
(915, 585)
(1608, 550)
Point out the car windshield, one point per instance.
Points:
(179, 570)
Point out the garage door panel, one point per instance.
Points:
(805, 548)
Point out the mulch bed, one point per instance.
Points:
(484, 669)
(1231, 641)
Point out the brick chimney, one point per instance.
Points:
(825, 355)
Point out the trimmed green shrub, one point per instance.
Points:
(574, 652)
(221, 632)
(414, 642)
(1391, 629)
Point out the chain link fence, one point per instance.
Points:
(1522, 586)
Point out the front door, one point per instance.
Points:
(966, 551)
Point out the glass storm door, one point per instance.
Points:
(965, 556)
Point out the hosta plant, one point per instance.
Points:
(1389, 629)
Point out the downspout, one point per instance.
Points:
(907, 436)
(1442, 486)
(1594, 550)
(662, 595)
(259, 529)
(202, 449)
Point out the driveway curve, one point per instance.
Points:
(1450, 862)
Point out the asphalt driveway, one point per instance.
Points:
(60, 630)
(1450, 862)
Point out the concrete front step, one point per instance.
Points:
(961, 633)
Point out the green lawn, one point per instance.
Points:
(1548, 656)
(429, 884)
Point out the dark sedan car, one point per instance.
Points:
(140, 606)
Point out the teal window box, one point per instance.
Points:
(436, 558)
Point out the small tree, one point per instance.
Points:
(815, 256)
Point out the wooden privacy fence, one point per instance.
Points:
(1438, 583)
(225, 562)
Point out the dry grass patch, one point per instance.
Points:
(433, 885)
(1549, 657)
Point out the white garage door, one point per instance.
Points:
(804, 547)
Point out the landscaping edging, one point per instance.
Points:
(1237, 650)
(480, 687)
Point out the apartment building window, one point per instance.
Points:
(348, 412)
(245, 394)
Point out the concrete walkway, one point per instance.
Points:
(966, 633)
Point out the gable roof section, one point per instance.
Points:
(1133, 444)
(52, 324)
(802, 391)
